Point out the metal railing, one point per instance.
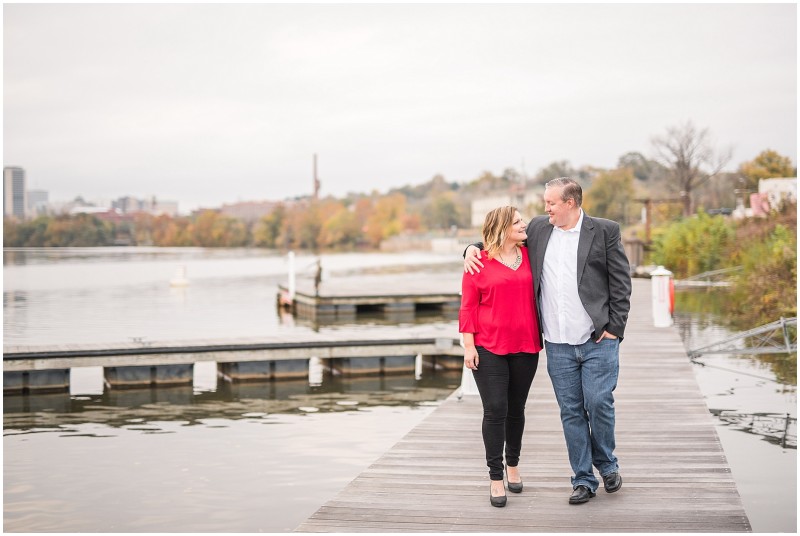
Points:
(773, 338)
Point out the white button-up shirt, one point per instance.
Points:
(565, 319)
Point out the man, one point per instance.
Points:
(318, 277)
(582, 284)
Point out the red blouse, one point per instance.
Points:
(497, 305)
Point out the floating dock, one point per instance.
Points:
(378, 350)
(396, 298)
(392, 294)
(676, 476)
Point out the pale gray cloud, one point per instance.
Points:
(213, 103)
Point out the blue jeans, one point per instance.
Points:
(584, 378)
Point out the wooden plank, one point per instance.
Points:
(377, 343)
(676, 477)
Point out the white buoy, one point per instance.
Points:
(180, 278)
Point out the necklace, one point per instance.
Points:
(514, 265)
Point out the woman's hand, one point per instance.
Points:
(472, 260)
(471, 358)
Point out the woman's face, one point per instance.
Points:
(516, 231)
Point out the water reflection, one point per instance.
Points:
(703, 317)
(361, 320)
(81, 255)
(777, 429)
(109, 295)
(119, 408)
(752, 393)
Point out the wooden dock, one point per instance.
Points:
(676, 477)
(398, 293)
(379, 350)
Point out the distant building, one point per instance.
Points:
(169, 208)
(126, 205)
(529, 203)
(87, 209)
(248, 210)
(77, 206)
(772, 194)
(132, 205)
(14, 194)
(779, 190)
(759, 206)
(38, 201)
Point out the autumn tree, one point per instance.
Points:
(611, 196)
(295, 233)
(170, 232)
(554, 170)
(341, 230)
(80, 230)
(768, 164)
(386, 219)
(363, 208)
(442, 212)
(487, 182)
(688, 154)
(644, 169)
(31, 233)
(310, 224)
(211, 229)
(436, 185)
(268, 228)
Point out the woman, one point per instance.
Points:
(501, 342)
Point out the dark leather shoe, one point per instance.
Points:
(497, 501)
(514, 487)
(612, 482)
(581, 494)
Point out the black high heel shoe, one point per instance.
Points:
(497, 501)
(514, 487)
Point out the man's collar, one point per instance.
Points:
(577, 228)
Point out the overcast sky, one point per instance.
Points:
(208, 104)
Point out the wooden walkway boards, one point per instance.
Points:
(676, 477)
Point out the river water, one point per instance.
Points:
(262, 457)
(754, 402)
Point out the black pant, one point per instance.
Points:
(503, 382)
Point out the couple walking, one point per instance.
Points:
(562, 280)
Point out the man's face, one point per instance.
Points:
(558, 211)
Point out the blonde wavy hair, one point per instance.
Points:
(495, 228)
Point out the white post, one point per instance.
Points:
(292, 282)
(661, 285)
(316, 371)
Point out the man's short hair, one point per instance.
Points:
(571, 189)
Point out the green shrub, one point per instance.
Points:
(694, 245)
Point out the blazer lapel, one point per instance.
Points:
(541, 247)
(584, 244)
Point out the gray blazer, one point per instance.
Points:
(604, 280)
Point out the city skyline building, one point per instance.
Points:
(14, 194)
(150, 205)
(38, 201)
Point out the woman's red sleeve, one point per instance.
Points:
(470, 298)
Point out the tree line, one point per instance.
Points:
(684, 171)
